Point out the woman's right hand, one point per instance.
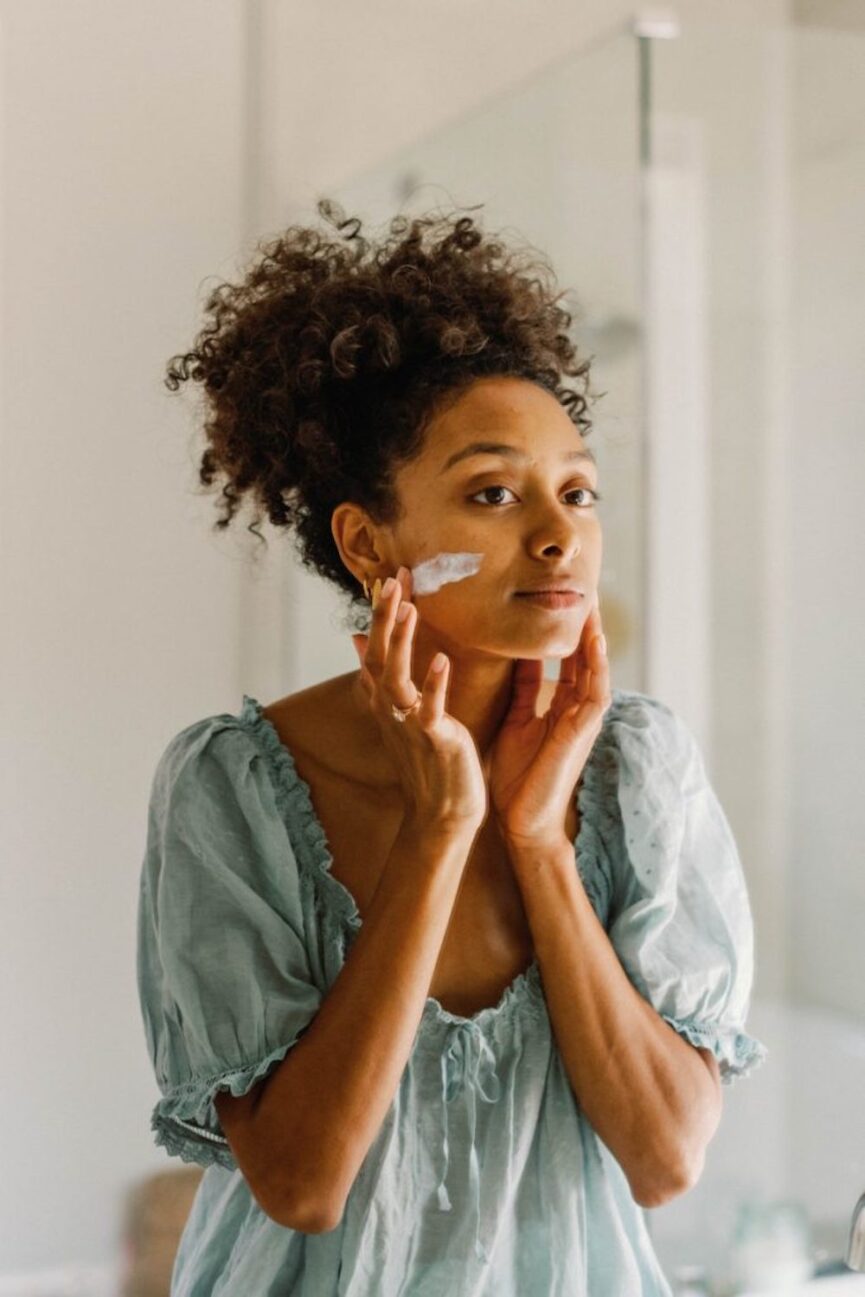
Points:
(434, 754)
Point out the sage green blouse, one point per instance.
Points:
(486, 1178)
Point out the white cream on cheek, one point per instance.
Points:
(433, 573)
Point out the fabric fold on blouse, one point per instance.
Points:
(469, 1060)
(485, 1176)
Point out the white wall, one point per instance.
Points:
(121, 190)
(826, 591)
(785, 168)
(743, 154)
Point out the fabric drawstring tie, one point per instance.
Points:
(461, 1062)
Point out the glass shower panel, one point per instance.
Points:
(555, 162)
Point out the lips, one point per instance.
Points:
(560, 588)
(552, 599)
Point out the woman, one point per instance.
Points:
(441, 965)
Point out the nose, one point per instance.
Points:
(560, 532)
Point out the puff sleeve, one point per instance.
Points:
(681, 921)
(223, 976)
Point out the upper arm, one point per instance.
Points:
(236, 1113)
(712, 1063)
(717, 1091)
(709, 1119)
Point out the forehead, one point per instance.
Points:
(513, 410)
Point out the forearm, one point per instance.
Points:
(646, 1091)
(324, 1105)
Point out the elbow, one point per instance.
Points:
(305, 1216)
(301, 1203)
(679, 1169)
(321, 1219)
(297, 1206)
(652, 1195)
(671, 1181)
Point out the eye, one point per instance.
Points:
(585, 490)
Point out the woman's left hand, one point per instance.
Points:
(536, 761)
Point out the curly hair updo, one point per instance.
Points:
(323, 368)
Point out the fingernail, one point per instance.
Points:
(387, 587)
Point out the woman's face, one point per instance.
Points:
(528, 511)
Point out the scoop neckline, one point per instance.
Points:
(296, 791)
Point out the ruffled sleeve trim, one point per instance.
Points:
(185, 1122)
(595, 800)
(737, 1052)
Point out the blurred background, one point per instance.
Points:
(696, 175)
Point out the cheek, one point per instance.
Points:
(443, 569)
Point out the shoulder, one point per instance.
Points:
(641, 719)
(330, 740)
(311, 720)
(202, 757)
(649, 740)
(630, 707)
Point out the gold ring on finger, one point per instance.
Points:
(400, 713)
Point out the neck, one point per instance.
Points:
(478, 696)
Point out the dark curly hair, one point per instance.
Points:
(323, 368)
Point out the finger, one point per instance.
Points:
(434, 692)
(396, 674)
(597, 663)
(599, 685)
(383, 615)
(525, 686)
(593, 683)
(568, 668)
(573, 669)
(587, 648)
(404, 577)
(359, 642)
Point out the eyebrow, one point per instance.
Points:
(510, 452)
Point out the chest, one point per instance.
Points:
(488, 941)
